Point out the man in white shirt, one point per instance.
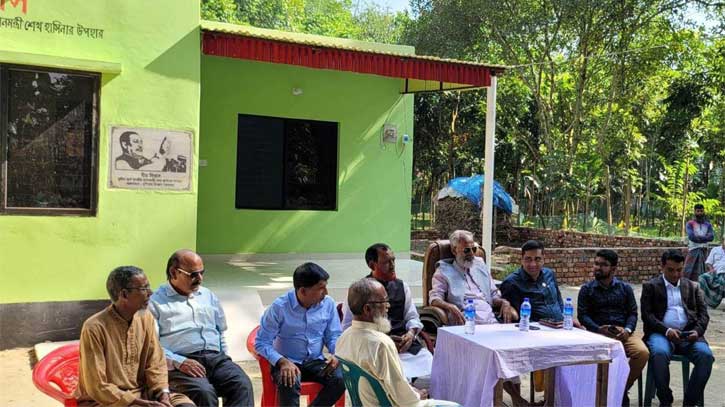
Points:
(367, 344)
(403, 315)
(675, 319)
(712, 283)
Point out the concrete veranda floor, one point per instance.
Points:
(248, 284)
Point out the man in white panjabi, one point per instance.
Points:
(367, 344)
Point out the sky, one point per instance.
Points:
(693, 14)
(395, 5)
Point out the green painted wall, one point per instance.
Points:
(44, 258)
(374, 180)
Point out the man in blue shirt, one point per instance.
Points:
(191, 327)
(535, 282)
(292, 332)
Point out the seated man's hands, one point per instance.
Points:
(288, 372)
(455, 315)
(673, 335)
(403, 342)
(165, 399)
(192, 368)
(693, 337)
(329, 369)
(623, 335)
(508, 313)
(422, 393)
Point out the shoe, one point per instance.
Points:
(625, 400)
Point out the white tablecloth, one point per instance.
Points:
(466, 368)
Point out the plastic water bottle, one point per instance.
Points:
(524, 315)
(568, 314)
(469, 313)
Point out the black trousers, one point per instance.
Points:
(333, 387)
(224, 379)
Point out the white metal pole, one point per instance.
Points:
(487, 204)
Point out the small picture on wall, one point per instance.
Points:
(143, 158)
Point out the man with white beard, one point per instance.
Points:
(367, 344)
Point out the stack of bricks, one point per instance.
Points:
(516, 236)
(573, 266)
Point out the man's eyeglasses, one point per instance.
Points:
(193, 274)
(378, 302)
(146, 288)
(469, 250)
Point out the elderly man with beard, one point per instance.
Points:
(122, 362)
(292, 332)
(191, 325)
(467, 276)
(607, 306)
(417, 360)
(367, 345)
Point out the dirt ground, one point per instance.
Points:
(17, 389)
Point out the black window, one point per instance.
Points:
(286, 163)
(48, 133)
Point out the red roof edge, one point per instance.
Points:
(394, 66)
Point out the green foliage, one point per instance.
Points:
(609, 120)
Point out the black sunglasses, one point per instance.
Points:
(469, 250)
(193, 274)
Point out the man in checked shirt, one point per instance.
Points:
(607, 306)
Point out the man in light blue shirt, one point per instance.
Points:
(292, 332)
(191, 327)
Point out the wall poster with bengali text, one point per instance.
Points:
(155, 159)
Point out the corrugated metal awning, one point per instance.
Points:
(421, 73)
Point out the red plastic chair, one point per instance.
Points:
(269, 389)
(59, 367)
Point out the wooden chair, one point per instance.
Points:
(434, 317)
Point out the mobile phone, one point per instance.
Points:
(531, 327)
(685, 334)
(613, 330)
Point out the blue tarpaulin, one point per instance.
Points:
(470, 187)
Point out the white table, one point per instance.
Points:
(466, 368)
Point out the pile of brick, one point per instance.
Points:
(573, 266)
(516, 236)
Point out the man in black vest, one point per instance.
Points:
(403, 315)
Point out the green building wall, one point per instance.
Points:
(67, 258)
(374, 179)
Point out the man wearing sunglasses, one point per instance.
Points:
(467, 276)
(191, 325)
(122, 362)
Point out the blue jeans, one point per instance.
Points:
(333, 387)
(699, 353)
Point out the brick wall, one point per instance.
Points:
(573, 266)
(516, 236)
